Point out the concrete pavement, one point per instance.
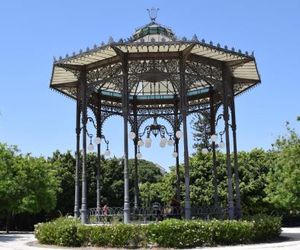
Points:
(26, 241)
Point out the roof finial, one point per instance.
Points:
(153, 14)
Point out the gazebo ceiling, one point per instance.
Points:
(153, 68)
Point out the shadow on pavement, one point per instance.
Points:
(291, 236)
(4, 237)
(8, 237)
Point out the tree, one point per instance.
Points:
(65, 165)
(253, 169)
(150, 193)
(111, 179)
(201, 185)
(27, 184)
(201, 127)
(148, 171)
(283, 189)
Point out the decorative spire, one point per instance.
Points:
(153, 14)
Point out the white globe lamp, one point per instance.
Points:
(222, 144)
(148, 142)
(214, 138)
(97, 140)
(90, 147)
(162, 144)
(170, 142)
(178, 134)
(107, 152)
(204, 151)
(164, 140)
(132, 135)
(174, 154)
(141, 143)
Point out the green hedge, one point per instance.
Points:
(265, 227)
(168, 233)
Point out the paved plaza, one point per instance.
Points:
(26, 241)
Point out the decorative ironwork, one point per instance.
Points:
(156, 129)
(108, 77)
(156, 212)
(98, 138)
(153, 13)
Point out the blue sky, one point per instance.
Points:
(40, 120)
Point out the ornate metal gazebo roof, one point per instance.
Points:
(153, 55)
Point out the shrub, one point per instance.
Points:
(61, 232)
(169, 233)
(99, 236)
(125, 235)
(265, 227)
(177, 233)
(84, 234)
(229, 232)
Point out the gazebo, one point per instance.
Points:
(155, 74)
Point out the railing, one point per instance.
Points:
(150, 214)
(208, 212)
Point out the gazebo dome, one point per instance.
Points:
(153, 32)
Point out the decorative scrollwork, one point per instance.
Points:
(200, 75)
(145, 118)
(108, 77)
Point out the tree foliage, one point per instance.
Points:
(283, 189)
(28, 184)
(64, 163)
(201, 126)
(269, 180)
(253, 168)
(111, 179)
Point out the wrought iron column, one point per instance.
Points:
(135, 141)
(184, 104)
(125, 107)
(84, 131)
(212, 132)
(76, 195)
(99, 129)
(176, 128)
(235, 155)
(226, 79)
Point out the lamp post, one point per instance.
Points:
(167, 138)
(97, 141)
(214, 137)
(212, 148)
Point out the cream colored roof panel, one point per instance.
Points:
(247, 71)
(107, 51)
(90, 56)
(61, 76)
(215, 53)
